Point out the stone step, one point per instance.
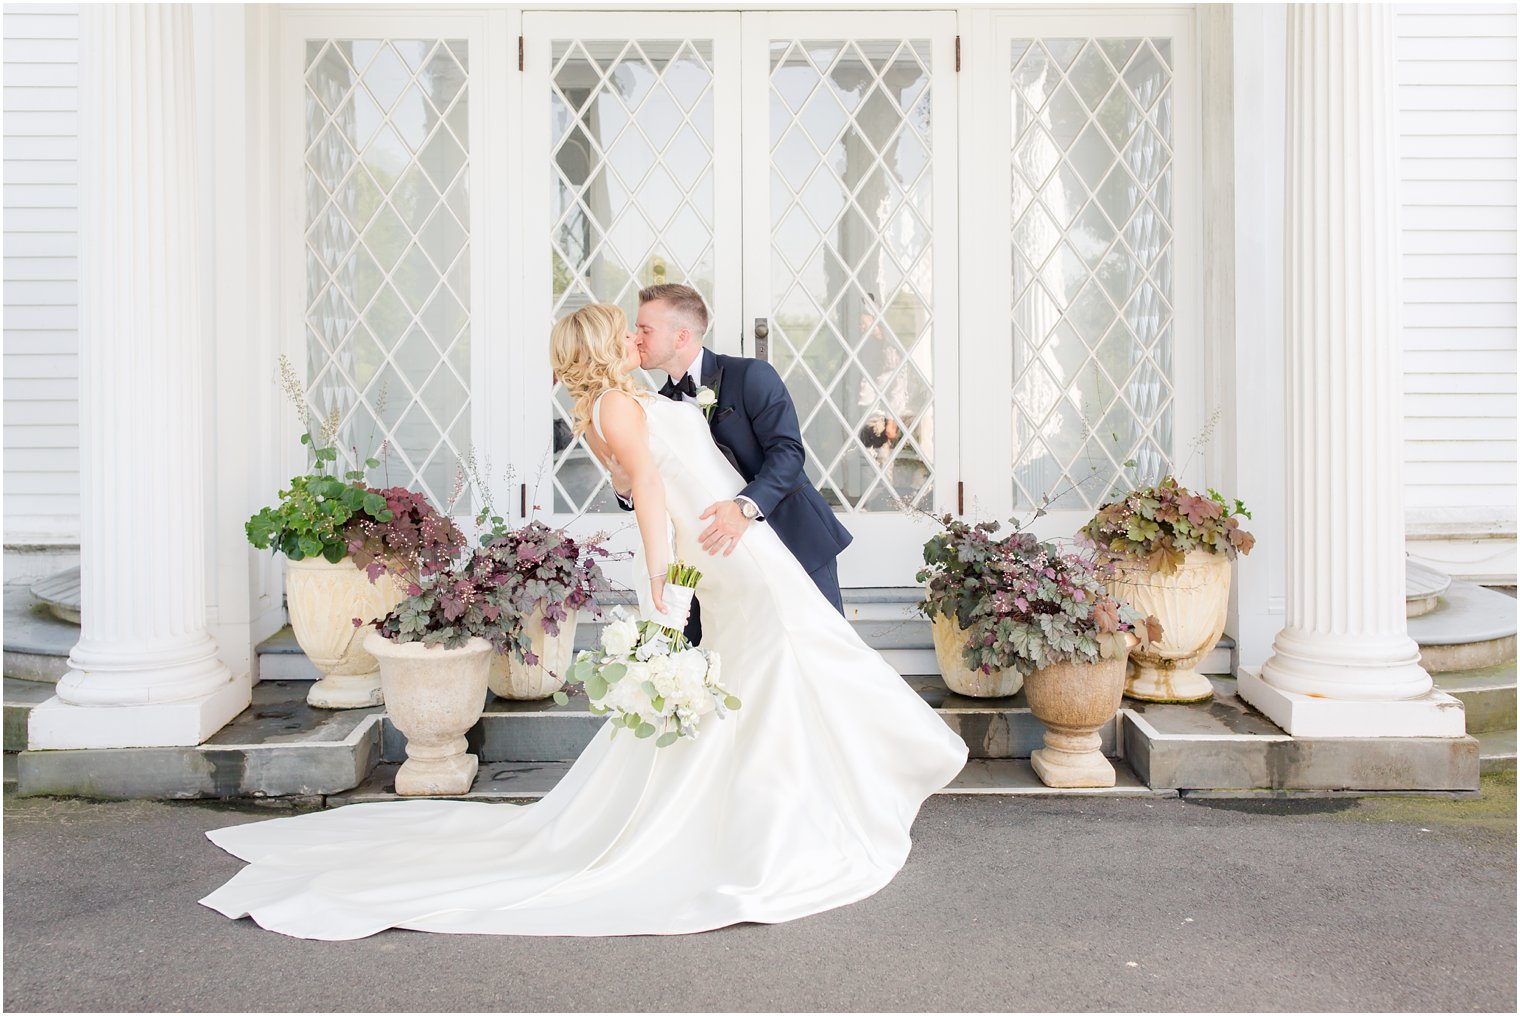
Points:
(1227, 744)
(20, 697)
(1471, 627)
(524, 782)
(1496, 751)
(278, 747)
(544, 731)
(1487, 694)
(37, 643)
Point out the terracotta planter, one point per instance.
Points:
(1191, 605)
(949, 642)
(323, 599)
(433, 696)
(1073, 700)
(513, 679)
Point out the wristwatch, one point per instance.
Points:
(749, 508)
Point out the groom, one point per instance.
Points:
(755, 425)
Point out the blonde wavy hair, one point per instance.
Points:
(586, 349)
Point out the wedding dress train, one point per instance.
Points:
(798, 802)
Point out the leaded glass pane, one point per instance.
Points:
(387, 254)
(1091, 267)
(852, 288)
(631, 198)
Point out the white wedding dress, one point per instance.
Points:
(796, 803)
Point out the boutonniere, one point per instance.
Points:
(707, 400)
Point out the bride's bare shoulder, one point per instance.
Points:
(619, 404)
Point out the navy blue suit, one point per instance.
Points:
(755, 425)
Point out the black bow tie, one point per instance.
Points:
(687, 386)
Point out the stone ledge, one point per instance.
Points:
(524, 782)
(1230, 747)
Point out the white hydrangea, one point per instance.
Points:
(619, 637)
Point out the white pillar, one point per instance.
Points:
(145, 671)
(1344, 665)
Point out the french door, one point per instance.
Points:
(799, 170)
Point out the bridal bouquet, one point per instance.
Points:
(649, 677)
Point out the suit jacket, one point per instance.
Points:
(755, 425)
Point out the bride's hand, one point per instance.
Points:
(657, 592)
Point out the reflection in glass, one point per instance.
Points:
(1092, 277)
(387, 254)
(631, 198)
(852, 289)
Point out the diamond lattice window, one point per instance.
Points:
(851, 268)
(632, 198)
(1091, 173)
(388, 253)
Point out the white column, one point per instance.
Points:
(145, 671)
(1344, 665)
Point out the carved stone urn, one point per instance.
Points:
(511, 678)
(323, 599)
(949, 646)
(1191, 605)
(434, 696)
(1074, 701)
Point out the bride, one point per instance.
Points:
(799, 802)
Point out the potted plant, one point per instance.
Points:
(549, 578)
(961, 570)
(434, 651)
(350, 549)
(1170, 550)
(1044, 616)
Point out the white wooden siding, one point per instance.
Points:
(1456, 80)
(41, 274)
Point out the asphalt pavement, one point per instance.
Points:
(1006, 904)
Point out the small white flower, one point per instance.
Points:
(706, 398)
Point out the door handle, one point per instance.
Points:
(762, 338)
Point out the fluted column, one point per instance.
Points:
(145, 671)
(1345, 648)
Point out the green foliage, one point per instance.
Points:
(1023, 604)
(1160, 524)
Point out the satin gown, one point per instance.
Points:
(799, 802)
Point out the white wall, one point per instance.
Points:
(1456, 83)
(41, 274)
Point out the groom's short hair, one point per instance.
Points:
(684, 300)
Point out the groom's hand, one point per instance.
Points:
(622, 483)
(728, 525)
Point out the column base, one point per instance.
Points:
(1434, 714)
(56, 724)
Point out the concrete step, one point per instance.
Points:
(1487, 694)
(37, 643)
(20, 697)
(1225, 744)
(278, 747)
(1470, 628)
(524, 782)
(543, 731)
(1496, 751)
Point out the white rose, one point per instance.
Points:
(691, 666)
(619, 637)
(706, 398)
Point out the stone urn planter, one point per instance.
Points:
(1191, 605)
(1074, 700)
(434, 696)
(511, 678)
(323, 599)
(949, 643)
